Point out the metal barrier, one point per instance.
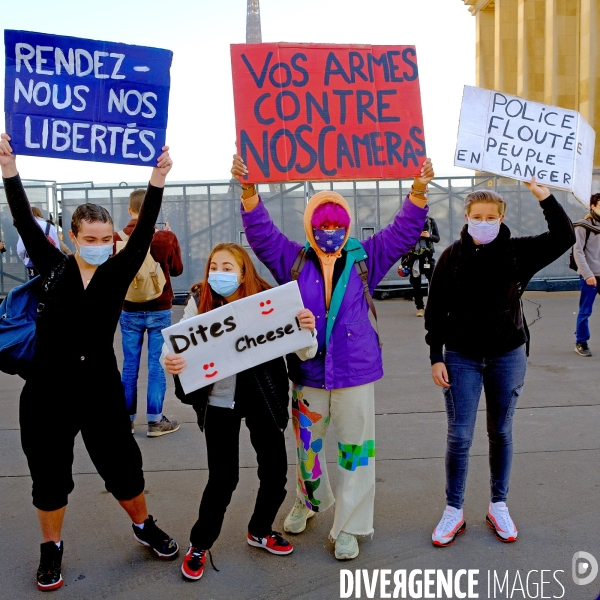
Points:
(203, 214)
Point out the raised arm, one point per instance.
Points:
(272, 247)
(42, 253)
(132, 256)
(538, 251)
(387, 246)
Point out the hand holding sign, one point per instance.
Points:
(541, 192)
(8, 160)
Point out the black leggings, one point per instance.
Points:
(222, 430)
(51, 417)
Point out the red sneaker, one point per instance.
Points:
(193, 563)
(273, 543)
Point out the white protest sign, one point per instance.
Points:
(517, 138)
(238, 336)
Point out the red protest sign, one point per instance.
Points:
(325, 111)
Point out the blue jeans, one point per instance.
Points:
(133, 326)
(586, 302)
(502, 378)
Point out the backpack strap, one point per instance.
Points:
(124, 237)
(298, 264)
(363, 273)
(47, 228)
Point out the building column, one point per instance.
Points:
(531, 46)
(506, 45)
(485, 49)
(561, 82)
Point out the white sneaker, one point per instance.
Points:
(449, 528)
(499, 521)
(295, 522)
(346, 546)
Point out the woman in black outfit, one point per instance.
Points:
(75, 336)
(260, 395)
(477, 337)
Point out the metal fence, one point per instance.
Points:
(203, 214)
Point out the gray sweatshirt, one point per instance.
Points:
(588, 262)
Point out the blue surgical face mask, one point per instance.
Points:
(329, 240)
(95, 255)
(223, 284)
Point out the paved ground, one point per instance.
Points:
(554, 498)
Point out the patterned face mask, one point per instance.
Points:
(329, 240)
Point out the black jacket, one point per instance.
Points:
(474, 297)
(267, 382)
(426, 243)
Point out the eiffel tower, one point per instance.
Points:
(253, 32)
(254, 36)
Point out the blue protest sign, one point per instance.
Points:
(67, 97)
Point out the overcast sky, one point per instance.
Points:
(201, 129)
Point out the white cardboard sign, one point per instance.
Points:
(238, 336)
(517, 138)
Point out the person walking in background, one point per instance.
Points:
(421, 261)
(259, 394)
(75, 338)
(586, 253)
(477, 337)
(49, 230)
(151, 316)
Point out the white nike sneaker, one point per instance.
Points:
(451, 525)
(499, 521)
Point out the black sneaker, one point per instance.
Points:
(583, 349)
(49, 576)
(153, 537)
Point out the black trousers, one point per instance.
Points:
(415, 282)
(51, 417)
(222, 430)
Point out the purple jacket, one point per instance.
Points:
(353, 356)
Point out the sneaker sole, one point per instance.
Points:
(52, 586)
(491, 525)
(346, 556)
(190, 577)
(159, 433)
(161, 556)
(308, 516)
(277, 552)
(459, 531)
(584, 355)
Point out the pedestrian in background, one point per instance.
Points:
(152, 317)
(586, 253)
(50, 231)
(421, 262)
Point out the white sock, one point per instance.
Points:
(140, 526)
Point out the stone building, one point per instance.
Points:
(543, 50)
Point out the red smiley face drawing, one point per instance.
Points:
(207, 367)
(266, 312)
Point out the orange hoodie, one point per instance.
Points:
(327, 260)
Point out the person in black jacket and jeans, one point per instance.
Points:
(260, 395)
(477, 338)
(422, 262)
(75, 338)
